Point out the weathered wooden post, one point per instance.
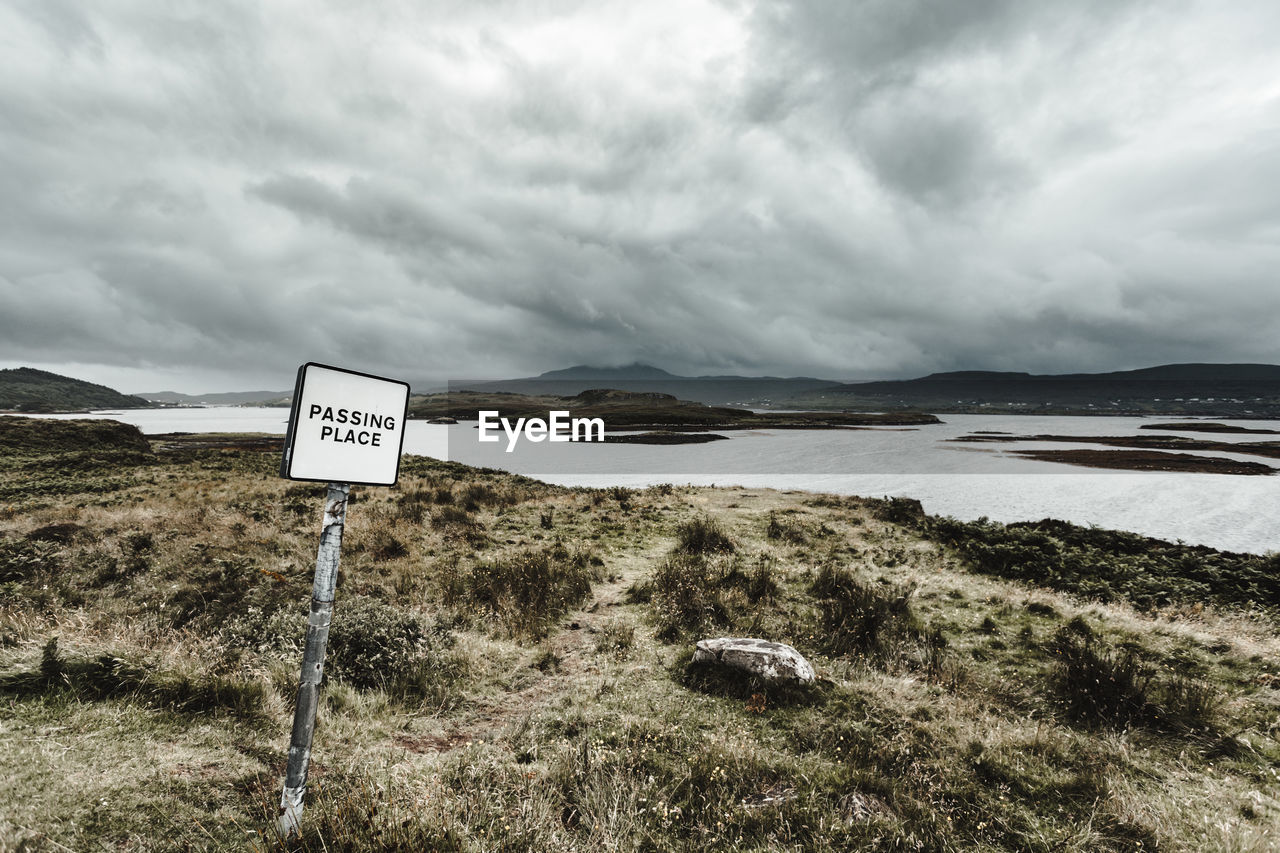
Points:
(344, 428)
(304, 715)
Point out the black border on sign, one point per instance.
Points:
(286, 460)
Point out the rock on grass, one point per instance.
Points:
(770, 662)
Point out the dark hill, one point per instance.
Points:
(25, 389)
(967, 376)
(607, 396)
(635, 371)
(711, 390)
(1160, 373)
(1202, 373)
(1218, 390)
(219, 398)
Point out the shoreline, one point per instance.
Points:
(1061, 491)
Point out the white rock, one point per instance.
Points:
(762, 658)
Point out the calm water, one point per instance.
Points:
(964, 480)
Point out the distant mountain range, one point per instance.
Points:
(25, 389)
(1215, 390)
(711, 390)
(1211, 390)
(225, 398)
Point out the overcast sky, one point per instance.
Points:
(201, 196)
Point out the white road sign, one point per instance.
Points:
(345, 427)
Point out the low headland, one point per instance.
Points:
(665, 437)
(25, 389)
(1146, 452)
(1208, 426)
(635, 410)
(1170, 390)
(509, 666)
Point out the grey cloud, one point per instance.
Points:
(916, 88)
(885, 40)
(372, 210)
(66, 24)
(456, 189)
(936, 156)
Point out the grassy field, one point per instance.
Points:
(509, 667)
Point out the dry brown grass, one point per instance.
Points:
(585, 738)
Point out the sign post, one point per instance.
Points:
(304, 716)
(344, 427)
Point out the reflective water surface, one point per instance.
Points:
(1239, 513)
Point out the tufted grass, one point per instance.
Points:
(502, 684)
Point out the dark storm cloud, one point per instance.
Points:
(455, 189)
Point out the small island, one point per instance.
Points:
(1147, 460)
(1210, 426)
(638, 410)
(1265, 449)
(664, 437)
